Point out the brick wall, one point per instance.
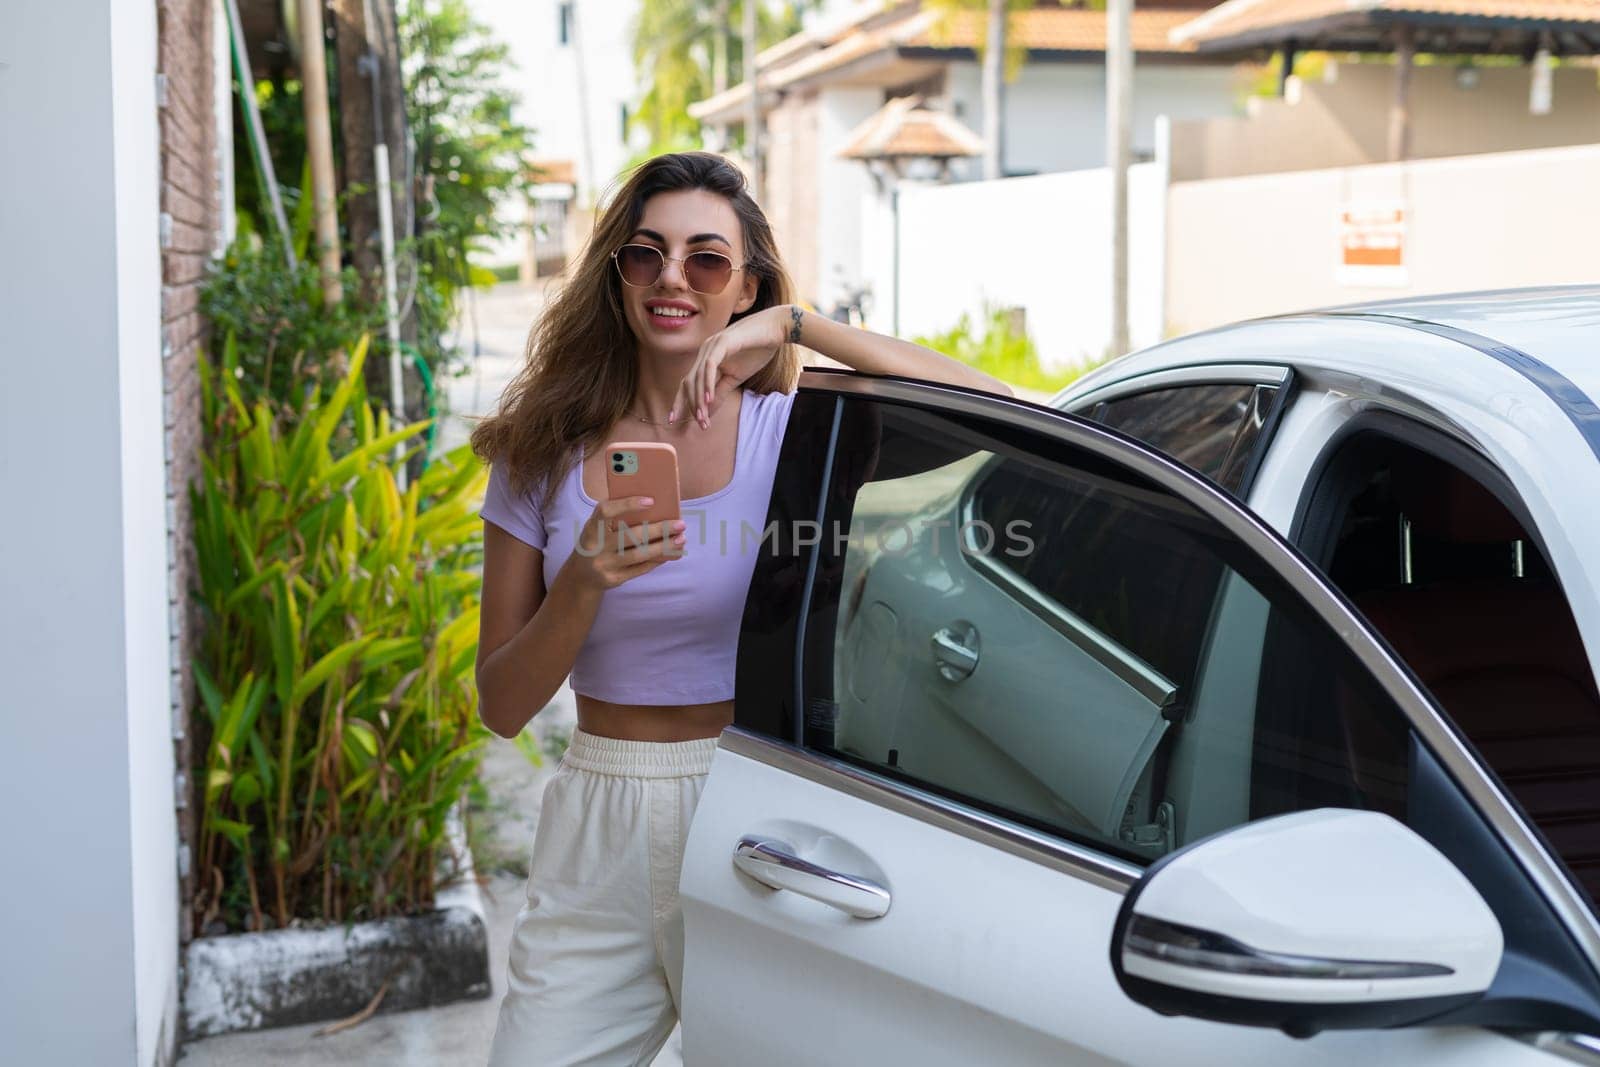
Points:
(189, 236)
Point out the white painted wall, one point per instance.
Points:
(1042, 243)
(844, 183)
(1056, 112)
(86, 792)
(546, 76)
(1267, 244)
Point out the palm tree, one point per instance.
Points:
(685, 50)
(994, 90)
(671, 49)
(722, 26)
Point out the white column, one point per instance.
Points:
(1119, 140)
(222, 116)
(86, 777)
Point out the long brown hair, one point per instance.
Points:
(581, 368)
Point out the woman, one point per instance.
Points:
(676, 325)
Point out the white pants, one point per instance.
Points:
(597, 950)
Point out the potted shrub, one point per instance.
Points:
(338, 633)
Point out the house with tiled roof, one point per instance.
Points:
(824, 91)
(1399, 109)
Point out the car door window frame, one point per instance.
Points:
(1430, 725)
(1280, 378)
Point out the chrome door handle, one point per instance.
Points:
(773, 863)
(955, 650)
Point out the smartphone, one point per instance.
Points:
(643, 468)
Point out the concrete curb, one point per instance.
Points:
(286, 977)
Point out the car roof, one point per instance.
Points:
(1548, 335)
(1557, 325)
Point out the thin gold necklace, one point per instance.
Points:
(648, 422)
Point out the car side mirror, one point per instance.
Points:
(1319, 920)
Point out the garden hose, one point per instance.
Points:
(430, 394)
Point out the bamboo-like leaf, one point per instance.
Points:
(348, 465)
(385, 651)
(237, 833)
(361, 734)
(329, 589)
(253, 586)
(244, 728)
(301, 225)
(285, 640)
(367, 427)
(358, 783)
(243, 543)
(408, 522)
(324, 668)
(349, 534)
(263, 451)
(261, 761)
(461, 663)
(210, 695)
(246, 790)
(461, 628)
(339, 593)
(327, 418)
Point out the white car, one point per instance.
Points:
(1278, 745)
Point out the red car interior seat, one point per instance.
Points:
(1503, 656)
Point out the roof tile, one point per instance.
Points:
(1238, 17)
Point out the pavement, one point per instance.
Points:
(500, 822)
(492, 334)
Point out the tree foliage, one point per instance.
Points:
(470, 152)
(674, 43)
(469, 156)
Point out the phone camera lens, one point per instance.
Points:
(617, 467)
(616, 457)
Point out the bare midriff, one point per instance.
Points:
(653, 722)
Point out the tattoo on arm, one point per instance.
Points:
(794, 324)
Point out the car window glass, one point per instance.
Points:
(1027, 628)
(1213, 429)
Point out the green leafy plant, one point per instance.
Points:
(471, 153)
(335, 663)
(1001, 350)
(471, 156)
(286, 338)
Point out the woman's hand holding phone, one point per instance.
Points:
(610, 550)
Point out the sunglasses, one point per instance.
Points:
(706, 272)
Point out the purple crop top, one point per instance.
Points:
(669, 636)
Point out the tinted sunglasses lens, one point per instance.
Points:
(639, 264)
(707, 272)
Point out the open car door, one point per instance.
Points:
(995, 662)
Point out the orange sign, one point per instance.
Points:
(1372, 244)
